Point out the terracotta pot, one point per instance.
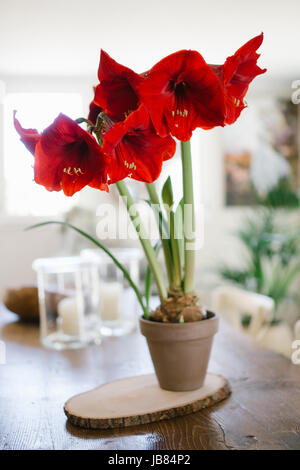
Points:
(180, 351)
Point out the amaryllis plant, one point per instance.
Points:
(131, 126)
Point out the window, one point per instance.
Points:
(22, 196)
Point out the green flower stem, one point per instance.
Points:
(189, 217)
(176, 256)
(165, 242)
(149, 251)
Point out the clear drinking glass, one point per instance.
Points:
(68, 300)
(117, 301)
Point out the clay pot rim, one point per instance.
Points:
(180, 325)
(170, 332)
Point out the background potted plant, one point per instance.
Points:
(271, 262)
(131, 127)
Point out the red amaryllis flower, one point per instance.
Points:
(236, 75)
(116, 93)
(29, 137)
(65, 156)
(181, 92)
(135, 149)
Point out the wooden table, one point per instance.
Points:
(262, 413)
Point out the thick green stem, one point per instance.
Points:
(145, 242)
(189, 217)
(176, 256)
(165, 242)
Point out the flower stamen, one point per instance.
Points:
(130, 165)
(71, 172)
(183, 113)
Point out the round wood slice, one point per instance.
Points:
(140, 400)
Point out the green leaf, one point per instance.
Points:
(238, 276)
(162, 222)
(168, 200)
(167, 193)
(281, 282)
(163, 228)
(102, 247)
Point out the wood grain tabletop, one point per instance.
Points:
(263, 411)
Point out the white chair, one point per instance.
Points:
(297, 330)
(233, 302)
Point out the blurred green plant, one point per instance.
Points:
(272, 257)
(282, 195)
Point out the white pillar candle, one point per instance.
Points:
(70, 312)
(110, 297)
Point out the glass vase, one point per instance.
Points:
(117, 301)
(68, 301)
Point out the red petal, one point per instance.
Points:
(135, 148)
(96, 185)
(29, 137)
(116, 93)
(237, 73)
(241, 68)
(68, 158)
(181, 93)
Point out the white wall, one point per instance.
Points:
(39, 37)
(18, 249)
(56, 45)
